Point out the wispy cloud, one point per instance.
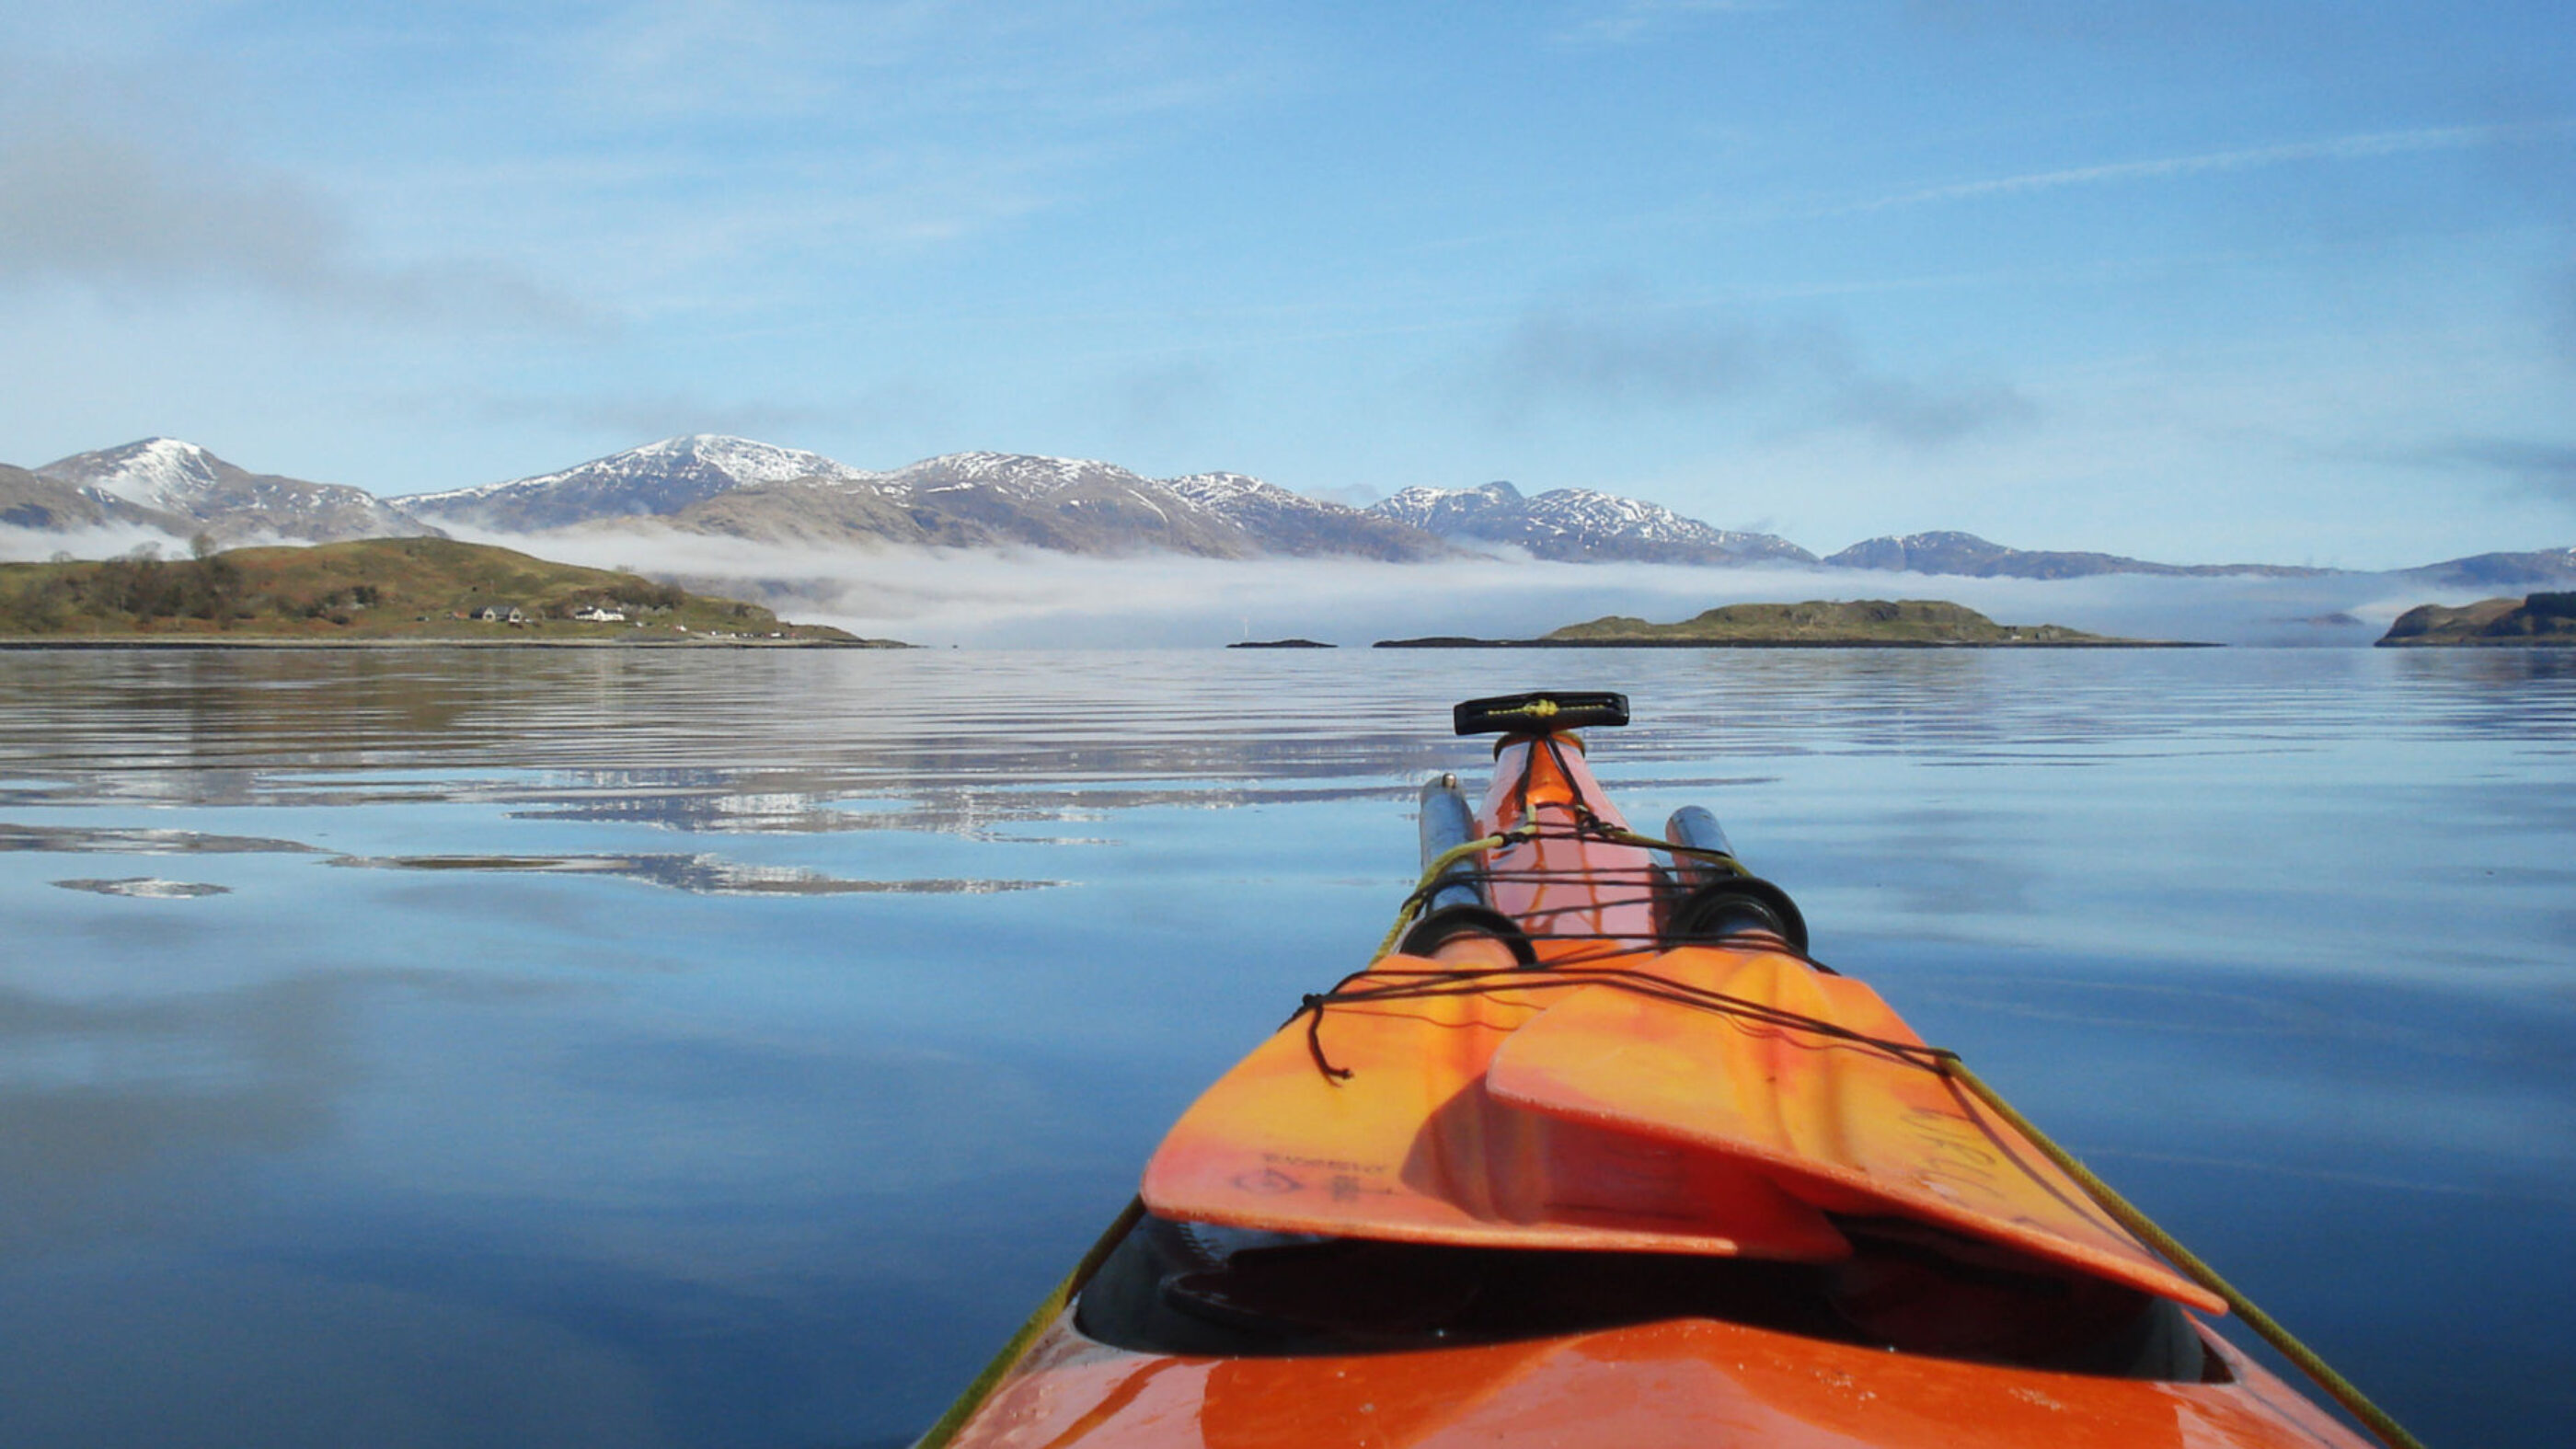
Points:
(2560, 310)
(1627, 357)
(2542, 468)
(643, 416)
(1927, 414)
(1629, 21)
(620, 419)
(2336, 148)
(85, 204)
(1616, 354)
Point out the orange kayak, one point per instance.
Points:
(1599, 1155)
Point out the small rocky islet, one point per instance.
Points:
(1815, 624)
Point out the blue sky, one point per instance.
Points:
(2290, 282)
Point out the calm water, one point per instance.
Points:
(726, 1049)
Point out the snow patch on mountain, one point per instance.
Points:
(705, 458)
(1023, 476)
(190, 483)
(658, 478)
(1580, 524)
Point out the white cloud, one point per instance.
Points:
(2337, 148)
(1610, 350)
(1629, 21)
(90, 204)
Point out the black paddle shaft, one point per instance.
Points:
(1540, 713)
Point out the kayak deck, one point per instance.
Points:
(1677, 1383)
(1568, 1178)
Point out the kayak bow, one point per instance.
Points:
(1598, 1154)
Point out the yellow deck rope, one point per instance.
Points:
(1431, 874)
(2357, 1403)
(1048, 1309)
(1528, 829)
(1617, 836)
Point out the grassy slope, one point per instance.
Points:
(1859, 621)
(373, 589)
(2538, 619)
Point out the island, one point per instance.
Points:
(2548, 619)
(1282, 644)
(1816, 624)
(375, 591)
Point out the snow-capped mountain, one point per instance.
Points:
(1949, 552)
(737, 487)
(742, 489)
(658, 478)
(182, 480)
(50, 505)
(1281, 522)
(1581, 525)
(1073, 505)
(1027, 477)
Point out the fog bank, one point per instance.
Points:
(1033, 599)
(1019, 599)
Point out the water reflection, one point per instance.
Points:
(145, 887)
(471, 1140)
(137, 840)
(697, 874)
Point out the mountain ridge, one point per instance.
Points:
(183, 481)
(716, 485)
(1569, 525)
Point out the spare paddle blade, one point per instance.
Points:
(1544, 712)
(1410, 1147)
(1841, 1124)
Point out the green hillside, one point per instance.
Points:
(1856, 621)
(386, 588)
(2537, 619)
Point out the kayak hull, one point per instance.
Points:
(1630, 1177)
(1678, 1384)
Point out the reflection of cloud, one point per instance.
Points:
(145, 887)
(92, 1094)
(2277, 1168)
(136, 840)
(296, 1356)
(700, 874)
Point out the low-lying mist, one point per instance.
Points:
(1034, 599)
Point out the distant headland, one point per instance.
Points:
(375, 591)
(2545, 619)
(1816, 624)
